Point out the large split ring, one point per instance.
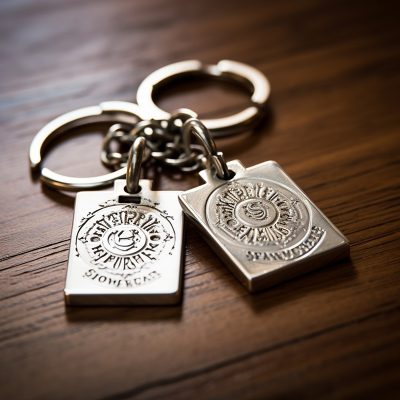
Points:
(107, 112)
(233, 71)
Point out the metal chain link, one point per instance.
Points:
(164, 143)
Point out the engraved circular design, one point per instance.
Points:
(255, 213)
(124, 239)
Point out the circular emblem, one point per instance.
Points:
(123, 239)
(257, 212)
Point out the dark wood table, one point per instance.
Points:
(333, 124)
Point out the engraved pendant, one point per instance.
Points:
(125, 249)
(262, 224)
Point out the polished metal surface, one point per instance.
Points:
(134, 165)
(216, 160)
(168, 142)
(164, 134)
(252, 79)
(262, 224)
(125, 249)
(257, 219)
(107, 112)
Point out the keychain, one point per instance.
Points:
(258, 220)
(126, 244)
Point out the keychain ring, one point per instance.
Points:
(134, 165)
(244, 74)
(216, 158)
(107, 112)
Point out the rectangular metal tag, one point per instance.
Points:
(262, 224)
(125, 249)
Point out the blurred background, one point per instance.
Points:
(61, 55)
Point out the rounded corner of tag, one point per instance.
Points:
(272, 163)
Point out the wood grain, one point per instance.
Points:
(333, 125)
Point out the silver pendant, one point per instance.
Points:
(125, 249)
(262, 224)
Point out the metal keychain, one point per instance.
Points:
(257, 219)
(127, 244)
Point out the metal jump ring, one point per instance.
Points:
(216, 158)
(234, 71)
(134, 165)
(108, 112)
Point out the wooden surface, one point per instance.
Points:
(333, 125)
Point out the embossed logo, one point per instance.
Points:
(258, 213)
(121, 241)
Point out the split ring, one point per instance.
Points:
(107, 112)
(233, 71)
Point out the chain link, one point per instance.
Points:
(164, 143)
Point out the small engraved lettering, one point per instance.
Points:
(306, 246)
(122, 283)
